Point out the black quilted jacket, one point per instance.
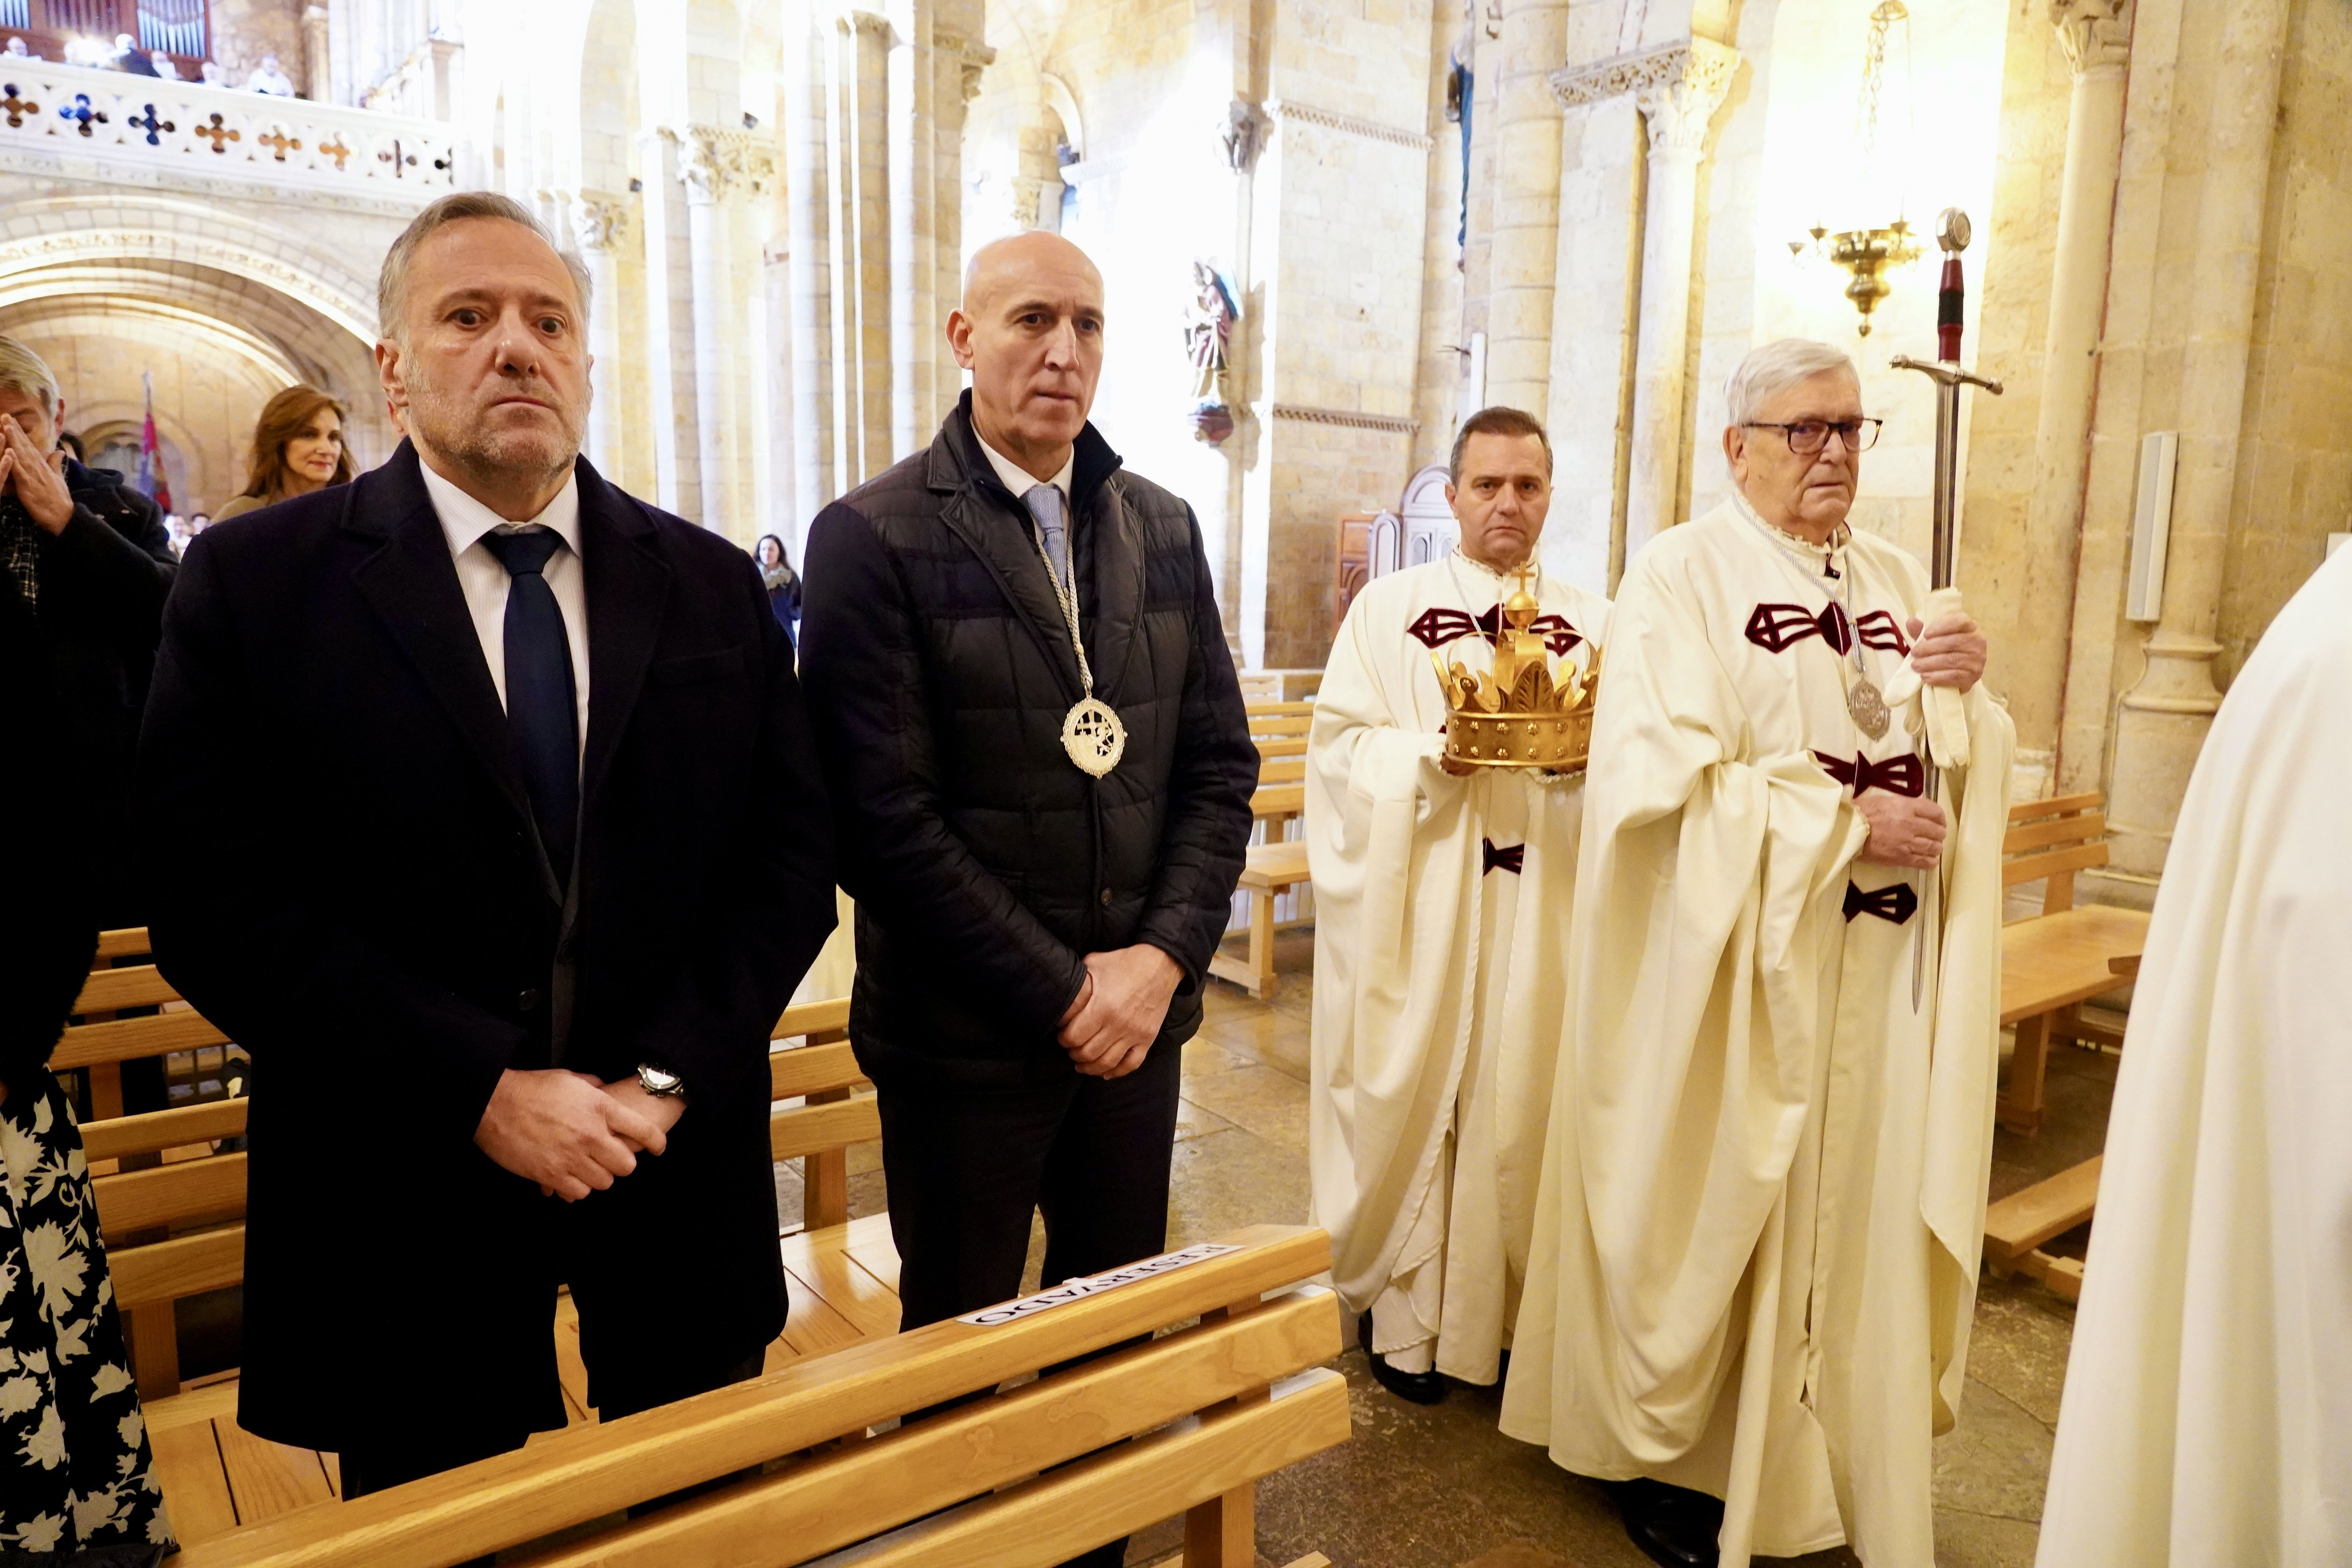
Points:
(984, 863)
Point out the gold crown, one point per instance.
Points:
(1519, 716)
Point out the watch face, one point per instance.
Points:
(659, 1080)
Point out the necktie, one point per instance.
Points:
(1044, 504)
(542, 704)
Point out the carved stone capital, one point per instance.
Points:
(970, 54)
(2096, 34)
(600, 221)
(874, 23)
(1680, 106)
(1677, 89)
(717, 161)
(1026, 192)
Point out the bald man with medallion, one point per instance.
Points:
(1042, 775)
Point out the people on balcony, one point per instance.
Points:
(129, 57)
(266, 78)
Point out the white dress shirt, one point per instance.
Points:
(483, 579)
(1020, 480)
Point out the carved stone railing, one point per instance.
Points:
(65, 119)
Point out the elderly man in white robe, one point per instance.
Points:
(1763, 1196)
(1441, 904)
(2208, 1417)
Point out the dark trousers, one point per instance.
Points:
(966, 1165)
(375, 1467)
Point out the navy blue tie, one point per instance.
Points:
(542, 704)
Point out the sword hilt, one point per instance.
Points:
(1946, 374)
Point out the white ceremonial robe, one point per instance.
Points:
(1763, 1199)
(2208, 1415)
(1439, 975)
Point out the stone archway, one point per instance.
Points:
(222, 310)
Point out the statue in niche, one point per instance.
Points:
(1208, 340)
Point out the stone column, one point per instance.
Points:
(807, 241)
(318, 56)
(1526, 221)
(2096, 36)
(959, 63)
(1678, 92)
(670, 323)
(913, 206)
(1594, 297)
(2166, 713)
(705, 168)
(600, 225)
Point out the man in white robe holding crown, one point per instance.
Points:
(1755, 1247)
(1442, 895)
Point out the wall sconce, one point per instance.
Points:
(1868, 255)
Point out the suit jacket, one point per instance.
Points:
(349, 883)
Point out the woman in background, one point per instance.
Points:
(297, 448)
(784, 585)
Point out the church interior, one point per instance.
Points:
(1329, 231)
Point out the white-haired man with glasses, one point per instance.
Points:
(1754, 1272)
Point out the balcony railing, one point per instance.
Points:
(191, 129)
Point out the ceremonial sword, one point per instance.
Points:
(1951, 295)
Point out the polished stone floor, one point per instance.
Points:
(1442, 1488)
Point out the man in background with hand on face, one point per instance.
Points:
(487, 825)
(1041, 775)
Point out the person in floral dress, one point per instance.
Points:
(78, 1484)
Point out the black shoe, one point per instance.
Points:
(1420, 1387)
(1674, 1526)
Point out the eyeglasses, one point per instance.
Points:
(1810, 436)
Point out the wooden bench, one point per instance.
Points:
(2016, 1227)
(1269, 870)
(1279, 730)
(2053, 962)
(2051, 965)
(1143, 1430)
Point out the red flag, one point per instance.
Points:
(152, 479)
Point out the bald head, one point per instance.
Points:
(1031, 331)
(1015, 256)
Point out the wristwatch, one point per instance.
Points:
(660, 1082)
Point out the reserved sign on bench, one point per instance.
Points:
(1096, 1284)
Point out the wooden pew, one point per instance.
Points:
(2051, 965)
(1277, 864)
(1270, 870)
(824, 1074)
(2055, 962)
(1185, 1423)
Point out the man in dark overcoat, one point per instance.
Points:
(490, 826)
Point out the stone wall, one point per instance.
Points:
(2294, 464)
(246, 30)
(2012, 277)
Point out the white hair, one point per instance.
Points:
(1772, 370)
(23, 370)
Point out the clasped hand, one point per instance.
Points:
(1110, 1028)
(569, 1131)
(1903, 831)
(1952, 652)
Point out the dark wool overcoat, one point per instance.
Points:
(349, 882)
